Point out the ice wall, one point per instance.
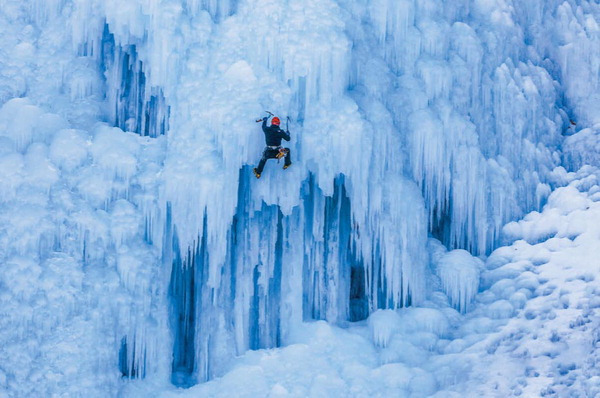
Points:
(465, 91)
(408, 119)
(82, 281)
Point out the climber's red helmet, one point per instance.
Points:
(276, 121)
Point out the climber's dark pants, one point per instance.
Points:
(271, 153)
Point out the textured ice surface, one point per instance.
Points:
(459, 274)
(547, 346)
(135, 244)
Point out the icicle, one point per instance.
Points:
(459, 272)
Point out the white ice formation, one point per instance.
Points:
(133, 233)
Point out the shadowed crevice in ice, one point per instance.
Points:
(247, 309)
(128, 363)
(133, 105)
(182, 293)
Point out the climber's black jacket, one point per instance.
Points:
(273, 134)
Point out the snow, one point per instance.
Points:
(582, 148)
(459, 274)
(68, 149)
(383, 324)
(140, 256)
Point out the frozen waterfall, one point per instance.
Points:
(128, 137)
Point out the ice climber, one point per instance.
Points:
(273, 150)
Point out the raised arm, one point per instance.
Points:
(264, 124)
(285, 135)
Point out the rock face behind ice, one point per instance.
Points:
(459, 272)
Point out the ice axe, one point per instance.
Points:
(260, 120)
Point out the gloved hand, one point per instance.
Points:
(265, 118)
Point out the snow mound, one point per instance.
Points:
(425, 320)
(383, 324)
(583, 147)
(459, 272)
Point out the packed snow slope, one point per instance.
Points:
(138, 252)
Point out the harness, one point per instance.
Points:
(282, 151)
